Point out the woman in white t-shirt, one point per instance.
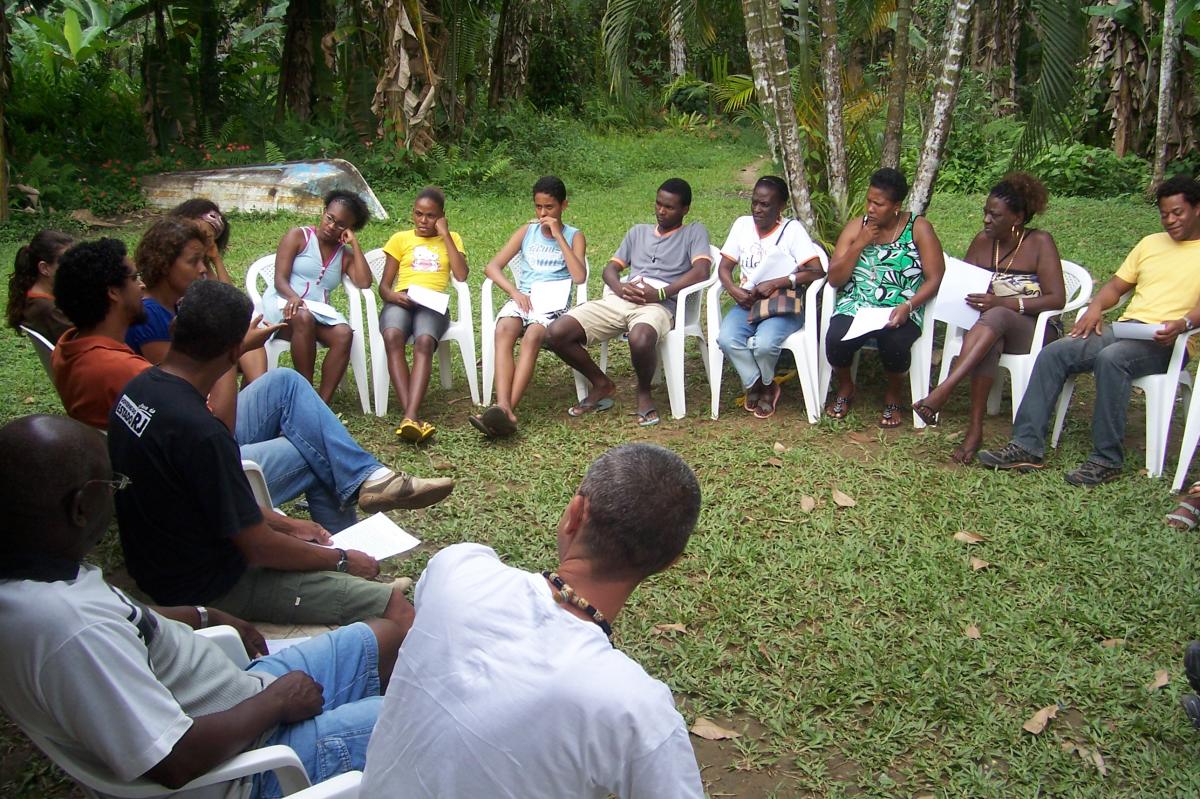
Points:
(750, 339)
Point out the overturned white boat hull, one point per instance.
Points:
(296, 186)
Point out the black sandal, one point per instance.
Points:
(890, 418)
(839, 408)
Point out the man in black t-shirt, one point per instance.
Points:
(190, 528)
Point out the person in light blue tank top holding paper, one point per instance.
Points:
(308, 266)
(548, 258)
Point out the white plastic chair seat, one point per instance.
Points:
(264, 269)
(1160, 390)
(1019, 367)
(43, 346)
(280, 759)
(461, 332)
(487, 327)
(689, 312)
(804, 344)
(920, 366)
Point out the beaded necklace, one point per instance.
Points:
(566, 595)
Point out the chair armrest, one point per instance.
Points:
(228, 641)
(683, 297)
(280, 759)
(487, 312)
(462, 294)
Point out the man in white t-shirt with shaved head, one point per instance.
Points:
(508, 683)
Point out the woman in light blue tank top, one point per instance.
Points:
(541, 251)
(308, 265)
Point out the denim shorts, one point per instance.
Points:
(414, 323)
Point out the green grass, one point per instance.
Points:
(834, 638)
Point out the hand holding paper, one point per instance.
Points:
(437, 301)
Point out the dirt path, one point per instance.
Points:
(749, 174)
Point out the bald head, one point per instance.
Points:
(49, 460)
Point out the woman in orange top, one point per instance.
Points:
(31, 287)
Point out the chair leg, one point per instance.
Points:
(1191, 436)
(358, 365)
(1060, 411)
(670, 361)
(489, 368)
(716, 365)
(996, 395)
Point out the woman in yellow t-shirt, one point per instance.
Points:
(423, 257)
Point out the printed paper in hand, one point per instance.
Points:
(868, 320)
(433, 300)
(550, 296)
(777, 264)
(321, 310)
(961, 279)
(377, 536)
(1136, 330)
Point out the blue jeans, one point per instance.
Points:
(753, 349)
(346, 664)
(1116, 362)
(302, 447)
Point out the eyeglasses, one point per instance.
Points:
(119, 482)
(334, 223)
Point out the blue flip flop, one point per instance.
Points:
(649, 418)
(584, 408)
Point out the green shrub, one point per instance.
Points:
(1079, 170)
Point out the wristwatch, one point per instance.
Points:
(792, 279)
(343, 563)
(1187, 324)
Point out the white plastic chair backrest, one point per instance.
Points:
(263, 269)
(41, 345)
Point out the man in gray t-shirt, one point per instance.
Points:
(662, 259)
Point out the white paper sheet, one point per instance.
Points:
(377, 536)
(549, 296)
(777, 264)
(1135, 330)
(961, 279)
(315, 308)
(433, 300)
(868, 320)
(278, 644)
(652, 282)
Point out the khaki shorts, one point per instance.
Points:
(610, 316)
(324, 597)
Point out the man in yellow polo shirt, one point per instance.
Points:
(1163, 272)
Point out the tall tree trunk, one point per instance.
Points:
(301, 53)
(406, 94)
(756, 47)
(1166, 85)
(678, 59)
(944, 96)
(893, 131)
(208, 88)
(510, 56)
(835, 127)
(780, 78)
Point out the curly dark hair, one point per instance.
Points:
(162, 244)
(432, 193)
(1183, 184)
(891, 182)
(198, 207)
(211, 320)
(48, 246)
(1024, 194)
(85, 274)
(354, 204)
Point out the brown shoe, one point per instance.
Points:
(403, 491)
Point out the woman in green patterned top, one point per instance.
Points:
(887, 259)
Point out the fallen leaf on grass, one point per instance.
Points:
(779, 447)
(778, 464)
(1089, 756)
(710, 731)
(1161, 678)
(1109, 643)
(843, 500)
(671, 627)
(807, 503)
(28, 400)
(972, 632)
(979, 563)
(861, 438)
(1039, 720)
(967, 538)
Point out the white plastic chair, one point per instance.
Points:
(1160, 390)
(98, 782)
(1079, 293)
(461, 331)
(919, 369)
(1191, 435)
(689, 311)
(42, 346)
(264, 269)
(487, 325)
(258, 483)
(804, 344)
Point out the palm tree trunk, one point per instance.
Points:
(5, 83)
(678, 61)
(510, 56)
(893, 132)
(301, 48)
(756, 47)
(1166, 85)
(835, 128)
(780, 79)
(406, 94)
(944, 96)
